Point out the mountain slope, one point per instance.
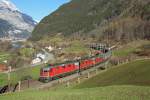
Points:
(133, 73)
(83, 16)
(4, 26)
(20, 23)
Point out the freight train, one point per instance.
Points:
(56, 71)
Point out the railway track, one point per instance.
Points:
(40, 85)
(35, 84)
(72, 76)
(76, 75)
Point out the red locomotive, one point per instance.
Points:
(52, 72)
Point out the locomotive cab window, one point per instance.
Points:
(63, 67)
(45, 71)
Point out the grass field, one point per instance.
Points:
(77, 47)
(99, 93)
(4, 56)
(3, 79)
(20, 74)
(125, 82)
(123, 52)
(129, 48)
(135, 73)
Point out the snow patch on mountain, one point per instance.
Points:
(20, 22)
(6, 4)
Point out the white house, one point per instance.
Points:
(42, 56)
(36, 60)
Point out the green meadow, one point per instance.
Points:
(124, 82)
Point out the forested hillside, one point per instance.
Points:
(113, 19)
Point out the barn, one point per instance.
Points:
(3, 67)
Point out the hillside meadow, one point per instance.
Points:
(124, 82)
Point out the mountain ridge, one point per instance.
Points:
(83, 16)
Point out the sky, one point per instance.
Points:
(38, 9)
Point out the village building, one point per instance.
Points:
(3, 67)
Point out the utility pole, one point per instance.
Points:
(9, 72)
(19, 84)
(79, 60)
(78, 81)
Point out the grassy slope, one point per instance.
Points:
(129, 48)
(4, 56)
(100, 93)
(17, 75)
(135, 73)
(123, 52)
(77, 47)
(124, 78)
(3, 79)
